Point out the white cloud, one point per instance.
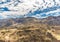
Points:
(25, 6)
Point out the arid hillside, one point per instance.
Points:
(30, 30)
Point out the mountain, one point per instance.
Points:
(30, 29)
(49, 20)
(12, 21)
(52, 20)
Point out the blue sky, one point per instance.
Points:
(29, 8)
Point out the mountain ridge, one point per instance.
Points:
(49, 20)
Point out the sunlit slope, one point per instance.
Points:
(30, 30)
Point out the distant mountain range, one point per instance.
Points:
(52, 20)
(28, 20)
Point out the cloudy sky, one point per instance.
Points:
(29, 8)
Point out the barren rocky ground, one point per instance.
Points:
(29, 30)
